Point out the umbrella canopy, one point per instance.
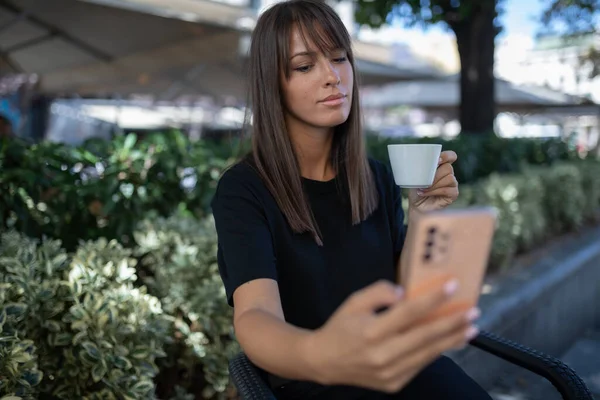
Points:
(98, 50)
(102, 48)
(445, 94)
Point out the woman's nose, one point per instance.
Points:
(333, 75)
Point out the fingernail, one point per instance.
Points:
(439, 160)
(473, 314)
(399, 292)
(420, 192)
(450, 287)
(472, 332)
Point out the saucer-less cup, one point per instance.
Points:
(414, 165)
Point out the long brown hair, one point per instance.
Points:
(273, 154)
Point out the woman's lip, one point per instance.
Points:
(334, 102)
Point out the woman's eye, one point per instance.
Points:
(340, 59)
(304, 68)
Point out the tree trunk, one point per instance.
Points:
(475, 37)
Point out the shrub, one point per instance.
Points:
(535, 205)
(103, 189)
(590, 181)
(99, 333)
(521, 219)
(179, 256)
(97, 336)
(565, 198)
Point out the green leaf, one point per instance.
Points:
(34, 377)
(78, 338)
(78, 312)
(79, 326)
(75, 287)
(23, 383)
(140, 352)
(63, 391)
(21, 358)
(86, 359)
(45, 295)
(103, 319)
(91, 349)
(52, 326)
(62, 339)
(129, 141)
(15, 309)
(122, 363)
(98, 372)
(143, 387)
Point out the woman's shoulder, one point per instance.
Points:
(241, 180)
(381, 173)
(377, 166)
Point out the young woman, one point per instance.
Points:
(311, 231)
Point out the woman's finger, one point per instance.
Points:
(446, 181)
(423, 335)
(442, 171)
(448, 156)
(448, 192)
(427, 354)
(403, 314)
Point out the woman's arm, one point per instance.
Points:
(269, 341)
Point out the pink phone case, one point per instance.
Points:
(449, 243)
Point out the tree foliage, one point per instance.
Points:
(572, 21)
(474, 23)
(376, 13)
(570, 18)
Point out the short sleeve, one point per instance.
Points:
(245, 244)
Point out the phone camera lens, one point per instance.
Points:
(427, 256)
(432, 230)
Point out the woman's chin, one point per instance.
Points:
(332, 121)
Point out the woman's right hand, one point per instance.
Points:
(384, 351)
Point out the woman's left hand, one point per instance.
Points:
(444, 190)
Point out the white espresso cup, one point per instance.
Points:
(414, 165)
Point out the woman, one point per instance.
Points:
(311, 231)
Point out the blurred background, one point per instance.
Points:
(117, 118)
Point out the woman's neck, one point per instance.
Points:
(313, 147)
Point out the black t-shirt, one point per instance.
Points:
(255, 241)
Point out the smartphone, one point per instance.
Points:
(449, 243)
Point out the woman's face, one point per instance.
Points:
(318, 92)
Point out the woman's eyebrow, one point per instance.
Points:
(303, 53)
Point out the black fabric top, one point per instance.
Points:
(255, 241)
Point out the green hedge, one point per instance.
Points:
(536, 205)
(104, 188)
